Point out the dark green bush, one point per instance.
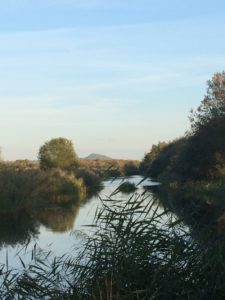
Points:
(127, 187)
(91, 180)
(131, 168)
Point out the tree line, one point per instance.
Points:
(200, 153)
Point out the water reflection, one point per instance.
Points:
(203, 213)
(58, 219)
(17, 227)
(22, 226)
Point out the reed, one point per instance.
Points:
(138, 251)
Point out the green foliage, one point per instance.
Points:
(127, 187)
(91, 180)
(131, 168)
(159, 160)
(150, 157)
(60, 187)
(206, 143)
(212, 107)
(200, 155)
(58, 153)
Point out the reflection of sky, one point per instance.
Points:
(114, 76)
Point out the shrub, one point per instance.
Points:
(127, 187)
(24, 188)
(131, 168)
(91, 179)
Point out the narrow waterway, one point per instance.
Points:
(57, 230)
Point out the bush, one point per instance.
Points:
(91, 180)
(127, 187)
(59, 187)
(24, 188)
(131, 168)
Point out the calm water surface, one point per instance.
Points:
(56, 230)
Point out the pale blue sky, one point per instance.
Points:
(114, 76)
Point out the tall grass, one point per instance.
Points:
(138, 251)
(26, 188)
(111, 168)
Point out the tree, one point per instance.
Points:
(131, 168)
(207, 144)
(58, 153)
(212, 107)
(150, 157)
(200, 154)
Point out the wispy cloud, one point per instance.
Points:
(90, 68)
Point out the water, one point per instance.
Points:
(57, 230)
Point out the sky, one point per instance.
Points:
(114, 76)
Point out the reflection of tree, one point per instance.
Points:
(17, 227)
(20, 227)
(203, 213)
(58, 219)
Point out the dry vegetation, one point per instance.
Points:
(112, 168)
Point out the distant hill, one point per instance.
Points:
(94, 156)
